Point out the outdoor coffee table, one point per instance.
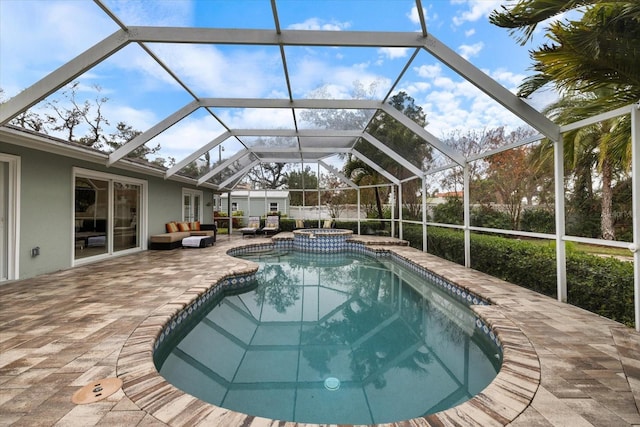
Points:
(197, 241)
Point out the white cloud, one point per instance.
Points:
(309, 73)
(393, 52)
(477, 9)
(414, 17)
(470, 32)
(257, 118)
(184, 137)
(137, 119)
(507, 78)
(36, 37)
(160, 13)
(319, 24)
(467, 51)
(451, 102)
(429, 71)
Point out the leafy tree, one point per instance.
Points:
(304, 179)
(512, 178)
(468, 143)
(268, 175)
(337, 197)
(395, 136)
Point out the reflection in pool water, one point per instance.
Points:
(389, 345)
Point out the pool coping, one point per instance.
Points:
(502, 401)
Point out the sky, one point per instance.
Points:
(37, 36)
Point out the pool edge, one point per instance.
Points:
(502, 401)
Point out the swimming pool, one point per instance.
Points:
(332, 338)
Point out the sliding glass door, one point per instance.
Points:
(107, 214)
(91, 216)
(126, 201)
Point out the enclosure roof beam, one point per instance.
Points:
(327, 150)
(517, 144)
(423, 133)
(239, 173)
(492, 88)
(361, 104)
(376, 167)
(63, 75)
(297, 133)
(598, 118)
(230, 36)
(338, 174)
(393, 154)
(240, 154)
(199, 152)
(441, 168)
(152, 132)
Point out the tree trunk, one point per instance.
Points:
(606, 218)
(378, 203)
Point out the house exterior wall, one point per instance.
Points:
(46, 206)
(256, 205)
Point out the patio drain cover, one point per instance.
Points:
(96, 390)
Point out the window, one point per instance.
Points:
(191, 205)
(273, 207)
(234, 206)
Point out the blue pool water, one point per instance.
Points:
(333, 338)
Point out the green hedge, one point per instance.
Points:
(601, 285)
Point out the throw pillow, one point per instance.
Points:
(183, 226)
(171, 227)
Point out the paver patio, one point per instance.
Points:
(60, 331)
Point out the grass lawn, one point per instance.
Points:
(586, 248)
(602, 250)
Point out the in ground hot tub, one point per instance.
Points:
(324, 240)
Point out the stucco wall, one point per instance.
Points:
(46, 206)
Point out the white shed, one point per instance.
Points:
(255, 202)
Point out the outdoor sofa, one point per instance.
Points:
(176, 231)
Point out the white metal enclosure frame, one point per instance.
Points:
(313, 145)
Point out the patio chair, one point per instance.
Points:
(299, 224)
(328, 223)
(272, 225)
(252, 226)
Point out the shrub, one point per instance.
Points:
(221, 219)
(601, 285)
(538, 221)
(449, 212)
(366, 227)
(287, 224)
(486, 216)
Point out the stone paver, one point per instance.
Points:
(563, 366)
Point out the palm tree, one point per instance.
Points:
(599, 146)
(595, 64)
(601, 50)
